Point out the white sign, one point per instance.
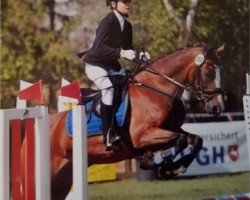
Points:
(225, 148)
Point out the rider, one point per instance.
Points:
(113, 41)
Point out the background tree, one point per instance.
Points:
(39, 41)
(228, 22)
(206, 22)
(33, 49)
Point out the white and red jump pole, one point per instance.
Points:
(37, 166)
(80, 155)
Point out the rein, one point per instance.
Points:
(198, 92)
(154, 71)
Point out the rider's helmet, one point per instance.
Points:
(108, 2)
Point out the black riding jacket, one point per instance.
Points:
(108, 43)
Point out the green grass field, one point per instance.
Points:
(178, 189)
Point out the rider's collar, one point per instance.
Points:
(121, 19)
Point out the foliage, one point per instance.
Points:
(31, 51)
(152, 27)
(217, 22)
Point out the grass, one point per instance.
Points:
(178, 189)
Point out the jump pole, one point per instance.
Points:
(80, 155)
(42, 150)
(42, 155)
(246, 103)
(65, 103)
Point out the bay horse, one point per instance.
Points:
(155, 117)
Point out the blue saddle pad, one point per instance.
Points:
(94, 123)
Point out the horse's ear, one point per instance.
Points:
(221, 49)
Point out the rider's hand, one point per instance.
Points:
(144, 55)
(128, 54)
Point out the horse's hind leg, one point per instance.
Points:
(61, 182)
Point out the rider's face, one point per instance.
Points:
(123, 7)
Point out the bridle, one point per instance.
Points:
(199, 92)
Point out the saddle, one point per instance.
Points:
(120, 84)
(92, 101)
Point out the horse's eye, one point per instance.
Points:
(210, 74)
(217, 65)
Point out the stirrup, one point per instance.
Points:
(109, 141)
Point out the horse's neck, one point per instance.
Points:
(175, 66)
(179, 65)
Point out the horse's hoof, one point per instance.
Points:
(181, 169)
(166, 175)
(166, 169)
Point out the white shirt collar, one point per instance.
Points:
(120, 19)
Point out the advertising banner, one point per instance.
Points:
(225, 148)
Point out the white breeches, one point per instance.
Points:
(99, 76)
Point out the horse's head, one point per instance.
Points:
(195, 69)
(205, 79)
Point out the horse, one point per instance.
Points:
(154, 119)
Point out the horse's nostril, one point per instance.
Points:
(215, 110)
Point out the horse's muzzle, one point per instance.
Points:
(215, 111)
(215, 91)
(215, 106)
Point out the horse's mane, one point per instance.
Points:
(178, 50)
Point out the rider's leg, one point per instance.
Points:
(108, 122)
(100, 77)
(108, 117)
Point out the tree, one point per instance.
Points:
(218, 22)
(152, 27)
(185, 26)
(31, 50)
(211, 22)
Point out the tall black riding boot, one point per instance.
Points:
(108, 125)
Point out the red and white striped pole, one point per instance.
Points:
(38, 160)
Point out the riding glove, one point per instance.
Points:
(144, 56)
(128, 54)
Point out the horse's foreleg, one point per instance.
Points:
(154, 136)
(169, 169)
(195, 143)
(161, 139)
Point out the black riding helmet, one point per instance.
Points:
(108, 1)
